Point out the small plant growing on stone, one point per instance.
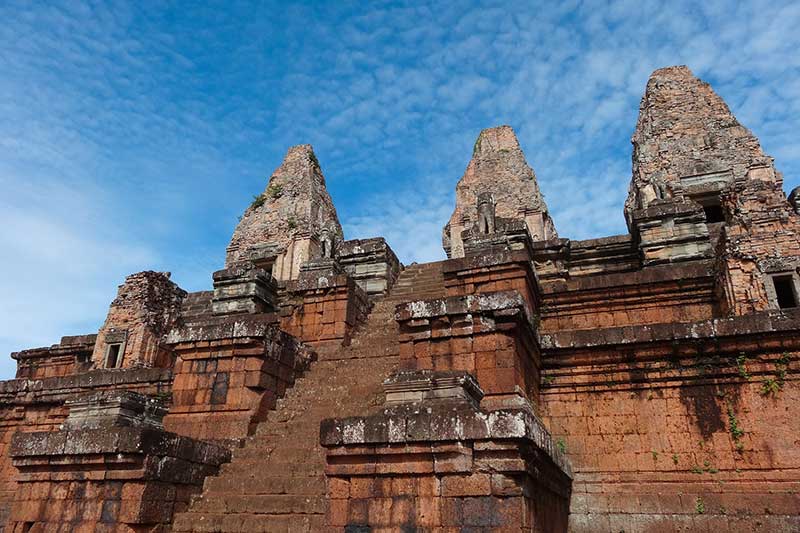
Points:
(274, 190)
(741, 366)
(258, 201)
(700, 506)
(780, 371)
(655, 455)
(696, 470)
(675, 458)
(736, 432)
(547, 380)
(291, 222)
(770, 387)
(708, 468)
(561, 445)
(477, 145)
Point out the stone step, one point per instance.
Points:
(276, 481)
(254, 482)
(252, 523)
(277, 504)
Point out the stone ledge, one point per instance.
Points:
(90, 380)
(60, 445)
(68, 346)
(429, 385)
(501, 302)
(441, 422)
(768, 322)
(653, 274)
(453, 266)
(225, 327)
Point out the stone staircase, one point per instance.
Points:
(276, 482)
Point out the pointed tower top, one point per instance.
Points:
(686, 139)
(294, 206)
(498, 169)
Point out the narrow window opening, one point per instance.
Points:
(113, 356)
(714, 213)
(784, 290)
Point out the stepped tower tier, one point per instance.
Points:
(291, 222)
(497, 185)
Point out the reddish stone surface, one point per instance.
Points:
(115, 470)
(145, 308)
(437, 462)
(663, 363)
(761, 239)
(229, 374)
(490, 336)
(71, 355)
(693, 430)
(284, 225)
(324, 316)
(680, 293)
(38, 405)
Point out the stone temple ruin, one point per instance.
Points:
(644, 382)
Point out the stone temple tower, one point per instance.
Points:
(497, 174)
(285, 225)
(687, 143)
(702, 187)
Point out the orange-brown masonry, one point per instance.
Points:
(644, 382)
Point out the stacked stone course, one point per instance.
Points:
(644, 382)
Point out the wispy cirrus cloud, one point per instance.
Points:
(133, 135)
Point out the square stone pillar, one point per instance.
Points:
(229, 373)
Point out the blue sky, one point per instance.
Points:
(134, 134)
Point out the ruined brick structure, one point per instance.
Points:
(642, 383)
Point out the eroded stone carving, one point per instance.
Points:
(486, 213)
(794, 199)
